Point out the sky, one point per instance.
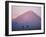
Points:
(19, 10)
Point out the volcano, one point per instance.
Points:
(27, 21)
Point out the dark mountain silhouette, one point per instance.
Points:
(27, 21)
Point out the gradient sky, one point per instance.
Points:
(19, 10)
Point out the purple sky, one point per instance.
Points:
(19, 10)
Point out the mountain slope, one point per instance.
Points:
(27, 21)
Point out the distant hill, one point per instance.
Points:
(27, 21)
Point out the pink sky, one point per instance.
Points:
(19, 10)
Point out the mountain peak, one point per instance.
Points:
(27, 16)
